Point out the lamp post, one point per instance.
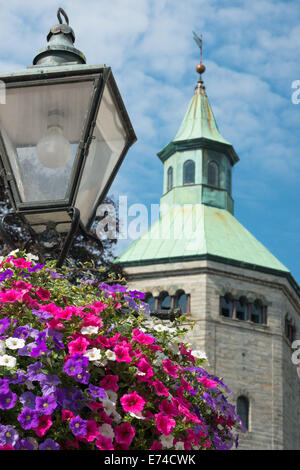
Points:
(64, 132)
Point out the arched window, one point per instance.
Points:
(257, 312)
(213, 174)
(181, 301)
(189, 172)
(170, 178)
(164, 301)
(226, 306)
(242, 406)
(228, 181)
(150, 300)
(242, 309)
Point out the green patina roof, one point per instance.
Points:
(199, 120)
(217, 234)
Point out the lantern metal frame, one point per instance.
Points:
(52, 75)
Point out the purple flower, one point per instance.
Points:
(28, 400)
(35, 268)
(78, 426)
(7, 400)
(28, 418)
(4, 385)
(21, 332)
(135, 294)
(72, 367)
(4, 324)
(49, 444)
(24, 444)
(97, 392)
(17, 378)
(34, 371)
(83, 377)
(39, 348)
(131, 302)
(54, 275)
(6, 275)
(48, 384)
(8, 435)
(46, 404)
(42, 315)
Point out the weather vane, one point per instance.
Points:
(200, 67)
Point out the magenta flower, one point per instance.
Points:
(142, 338)
(132, 402)
(110, 382)
(124, 434)
(164, 423)
(170, 368)
(122, 353)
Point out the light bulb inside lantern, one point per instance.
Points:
(53, 150)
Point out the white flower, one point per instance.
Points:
(15, 343)
(179, 445)
(89, 330)
(116, 417)
(167, 441)
(29, 385)
(93, 354)
(31, 257)
(12, 253)
(2, 348)
(107, 431)
(160, 328)
(108, 406)
(112, 396)
(137, 415)
(199, 354)
(111, 356)
(7, 361)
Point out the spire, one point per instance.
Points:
(199, 121)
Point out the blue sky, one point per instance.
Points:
(251, 51)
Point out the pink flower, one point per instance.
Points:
(66, 415)
(168, 408)
(170, 369)
(124, 434)
(185, 352)
(156, 446)
(104, 443)
(43, 294)
(160, 388)
(144, 367)
(122, 353)
(92, 431)
(11, 296)
(132, 402)
(142, 338)
(21, 263)
(45, 422)
(110, 382)
(208, 383)
(78, 346)
(164, 423)
(92, 320)
(6, 447)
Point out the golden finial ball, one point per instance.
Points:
(200, 68)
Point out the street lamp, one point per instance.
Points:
(64, 132)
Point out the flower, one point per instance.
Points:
(8, 435)
(14, 343)
(93, 354)
(106, 430)
(170, 368)
(110, 382)
(132, 402)
(49, 444)
(164, 423)
(167, 441)
(124, 434)
(8, 361)
(28, 418)
(111, 356)
(45, 422)
(89, 330)
(28, 400)
(78, 426)
(46, 404)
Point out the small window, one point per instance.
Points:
(170, 178)
(213, 174)
(242, 309)
(228, 181)
(243, 410)
(164, 301)
(289, 329)
(226, 306)
(150, 300)
(257, 312)
(189, 172)
(181, 301)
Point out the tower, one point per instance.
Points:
(245, 302)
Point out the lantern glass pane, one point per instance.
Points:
(41, 127)
(104, 153)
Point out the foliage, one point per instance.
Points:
(77, 372)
